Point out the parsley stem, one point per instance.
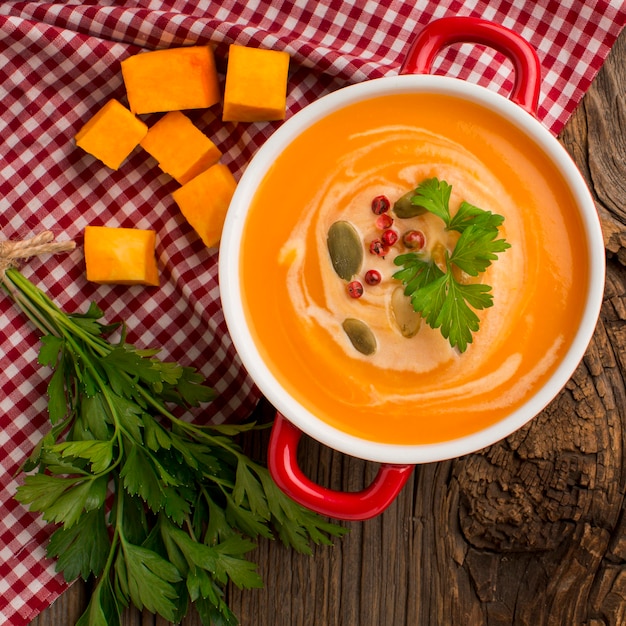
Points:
(41, 310)
(196, 430)
(190, 529)
(25, 302)
(86, 361)
(115, 539)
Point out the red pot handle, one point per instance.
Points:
(461, 29)
(353, 506)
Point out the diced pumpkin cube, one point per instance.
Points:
(123, 256)
(204, 201)
(173, 79)
(256, 84)
(111, 134)
(182, 150)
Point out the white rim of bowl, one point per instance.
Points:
(229, 278)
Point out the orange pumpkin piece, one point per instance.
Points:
(256, 84)
(111, 134)
(204, 201)
(123, 256)
(182, 150)
(172, 79)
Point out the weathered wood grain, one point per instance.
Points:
(531, 531)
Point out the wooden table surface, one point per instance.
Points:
(530, 531)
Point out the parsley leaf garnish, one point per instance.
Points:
(434, 196)
(444, 301)
(476, 248)
(161, 512)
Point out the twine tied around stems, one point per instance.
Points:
(11, 252)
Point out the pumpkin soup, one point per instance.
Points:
(407, 384)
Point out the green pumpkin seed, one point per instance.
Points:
(404, 208)
(345, 249)
(407, 320)
(360, 335)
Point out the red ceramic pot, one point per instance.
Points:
(294, 415)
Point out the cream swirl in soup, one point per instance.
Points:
(411, 156)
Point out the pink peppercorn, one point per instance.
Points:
(378, 248)
(384, 221)
(380, 205)
(372, 277)
(355, 289)
(389, 237)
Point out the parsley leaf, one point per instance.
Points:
(161, 512)
(148, 580)
(442, 299)
(103, 609)
(434, 196)
(470, 215)
(476, 248)
(417, 272)
(444, 303)
(82, 549)
(57, 403)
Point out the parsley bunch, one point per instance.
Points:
(160, 511)
(442, 300)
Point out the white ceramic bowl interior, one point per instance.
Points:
(230, 280)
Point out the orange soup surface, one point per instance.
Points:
(412, 390)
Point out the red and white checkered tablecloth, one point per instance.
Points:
(59, 62)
